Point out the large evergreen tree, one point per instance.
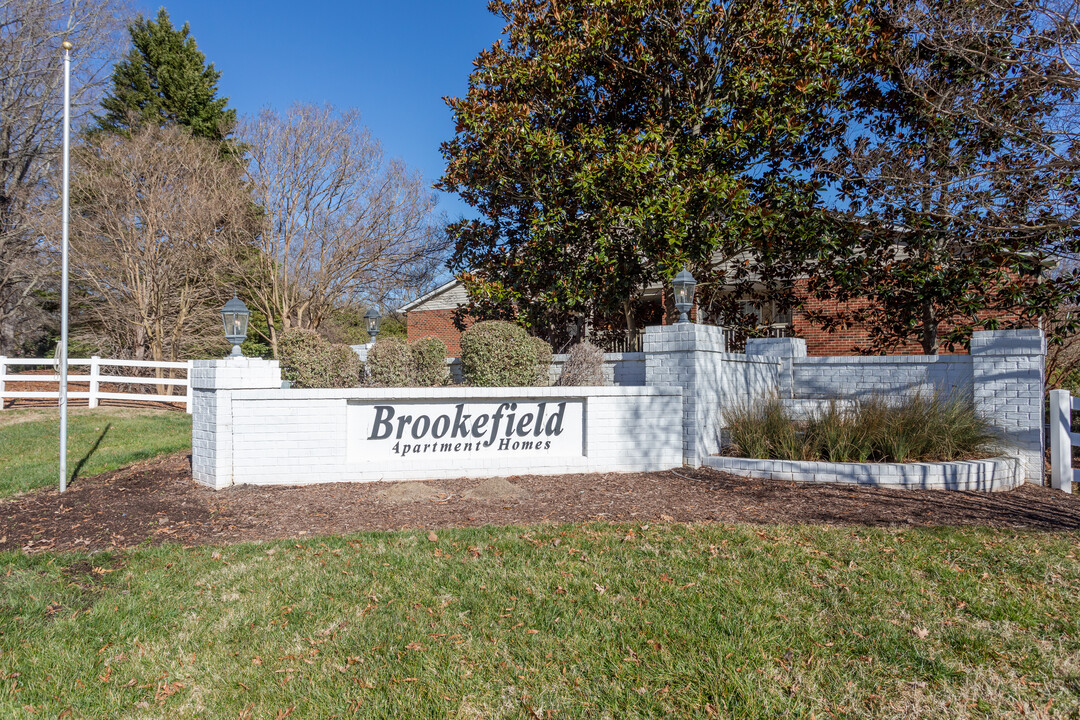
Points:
(960, 175)
(165, 80)
(605, 145)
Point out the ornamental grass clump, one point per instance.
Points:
(918, 428)
(495, 353)
(308, 360)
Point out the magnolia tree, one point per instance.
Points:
(606, 145)
(956, 186)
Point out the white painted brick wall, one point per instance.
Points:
(247, 430)
(297, 437)
(1008, 371)
(690, 356)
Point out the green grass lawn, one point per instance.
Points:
(590, 621)
(98, 440)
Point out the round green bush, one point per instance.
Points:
(495, 353)
(390, 363)
(308, 360)
(429, 362)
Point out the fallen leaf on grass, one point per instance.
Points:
(920, 632)
(599, 588)
(432, 536)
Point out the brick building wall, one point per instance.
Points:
(439, 322)
(435, 323)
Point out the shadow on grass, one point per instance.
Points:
(89, 454)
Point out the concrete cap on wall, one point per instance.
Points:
(1027, 341)
(776, 347)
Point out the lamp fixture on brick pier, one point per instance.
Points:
(372, 318)
(235, 317)
(684, 284)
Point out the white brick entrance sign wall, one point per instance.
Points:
(248, 430)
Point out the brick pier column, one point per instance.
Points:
(1007, 375)
(212, 385)
(689, 356)
(784, 350)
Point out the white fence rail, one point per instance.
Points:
(95, 378)
(1062, 440)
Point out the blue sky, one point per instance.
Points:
(394, 61)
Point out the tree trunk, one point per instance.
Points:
(929, 330)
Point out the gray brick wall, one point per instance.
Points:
(1008, 370)
(824, 378)
(690, 357)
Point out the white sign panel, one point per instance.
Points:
(455, 429)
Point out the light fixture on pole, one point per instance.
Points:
(372, 318)
(235, 318)
(64, 268)
(684, 284)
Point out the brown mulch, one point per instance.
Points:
(157, 502)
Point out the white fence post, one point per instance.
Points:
(190, 391)
(1061, 472)
(92, 401)
(3, 372)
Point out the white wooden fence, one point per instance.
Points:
(94, 395)
(1062, 440)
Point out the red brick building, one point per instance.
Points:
(433, 316)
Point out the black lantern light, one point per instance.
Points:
(684, 284)
(235, 317)
(372, 318)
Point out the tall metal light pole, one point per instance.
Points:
(64, 271)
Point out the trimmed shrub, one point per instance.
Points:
(429, 362)
(495, 353)
(310, 361)
(584, 366)
(542, 356)
(872, 429)
(390, 363)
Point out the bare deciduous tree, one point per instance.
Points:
(339, 223)
(31, 117)
(151, 216)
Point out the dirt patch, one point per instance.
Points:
(495, 489)
(158, 502)
(411, 492)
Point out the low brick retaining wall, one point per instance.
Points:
(992, 474)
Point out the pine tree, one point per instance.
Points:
(165, 80)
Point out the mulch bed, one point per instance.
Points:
(157, 502)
